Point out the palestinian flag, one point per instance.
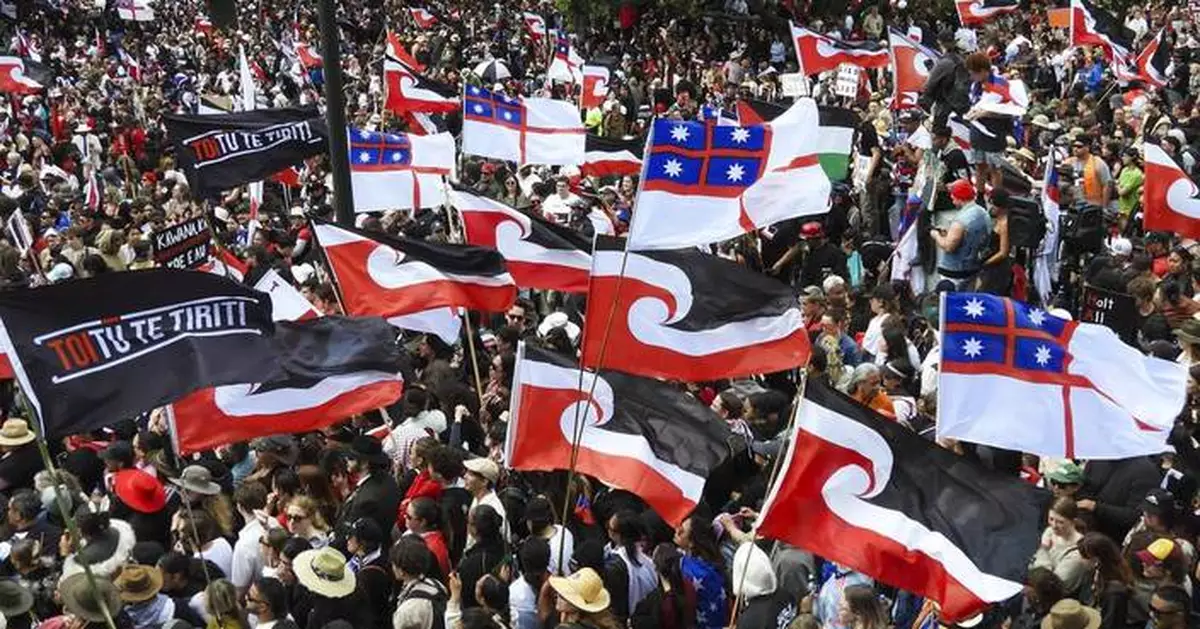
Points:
(836, 137)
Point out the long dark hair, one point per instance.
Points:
(629, 527)
(704, 542)
(1110, 565)
(667, 561)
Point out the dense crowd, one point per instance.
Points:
(408, 519)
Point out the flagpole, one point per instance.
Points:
(335, 113)
(466, 317)
(577, 435)
(61, 501)
(737, 601)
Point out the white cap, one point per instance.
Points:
(1120, 247)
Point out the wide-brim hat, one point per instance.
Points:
(324, 572)
(80, 600)
(364, 448)
(16, 432)
(99, 548)
(15, 599)
(138, 583)
(140, 491)
(198, 480)
(1071, 614)
(584, 590)
(1188, 331)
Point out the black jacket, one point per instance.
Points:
(18, 468)
(947, 85)
(374, 586)
(376, 498)
(480, 559)
(1118, 487)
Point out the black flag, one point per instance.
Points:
(92, 352)
(222, 151)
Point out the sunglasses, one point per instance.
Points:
(296, 517)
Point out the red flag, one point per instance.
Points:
(350, 366)
(422, 17)
(309, 58)
(203, 25)
(289, 177)
(686, 315)
(1170, 196)
(407, 91)
(595, 87)
(818, 53)
(537, 253)
(396, 50)
(911, 63)
(638, 434)
(388, 276)
(13, 79)
(974, 12)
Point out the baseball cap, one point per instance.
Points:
(1120, 247)
(1157, 552)
(1158, 502)
(962, 190)
(484, 467)
(1068, 473)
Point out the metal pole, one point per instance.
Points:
(335, 113)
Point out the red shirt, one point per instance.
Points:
(437, 545)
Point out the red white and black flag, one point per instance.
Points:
(330, 369)
(641, 435)
(872, 495)
(975, 12)
(608, 157)
(818, 53)
(1093, 26)
(385, 276)
(405, 90)
(686, 315)
(537, 253)
(90, 352)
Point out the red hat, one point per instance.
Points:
(812, 229)
(962, 190)
(139, 491)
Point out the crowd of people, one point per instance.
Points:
(409, 519)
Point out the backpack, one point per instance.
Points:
(439, 605)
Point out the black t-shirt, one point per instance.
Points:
(868, 139)
(778, 239)
(774, 611)
(993, 138)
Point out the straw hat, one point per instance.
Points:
(324, 572)
(1071, 614)
(80, 601)
(16, 432)
(584, 590)
(138, 583)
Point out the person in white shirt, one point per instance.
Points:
(558, 206)
(535, 557)
(480, 481)
(250, 499)
(539, 515)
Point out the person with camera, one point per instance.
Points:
(964, 240)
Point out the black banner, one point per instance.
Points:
(92, 352)
(1117, 311)
(182, 246)
(222, 151)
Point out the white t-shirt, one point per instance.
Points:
(220, 553)
(247, 561)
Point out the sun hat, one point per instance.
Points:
(324, 572)
(16, 432)
(198, 480)
(282, 446)
(138, 583)
(962, 190)
(1068, 473)
(1042, 121)
(80, 600)
(558, 320)
(484, 467)
(15, 599)
(1120, 247)
(1157, 552)
(1071, 614)
(139, 491)
(1189, 331)
(583, 590)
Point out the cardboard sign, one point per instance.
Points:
(1059, 18)
(182, 246)
(1117, 311)
(847, 80)
(794, 84)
